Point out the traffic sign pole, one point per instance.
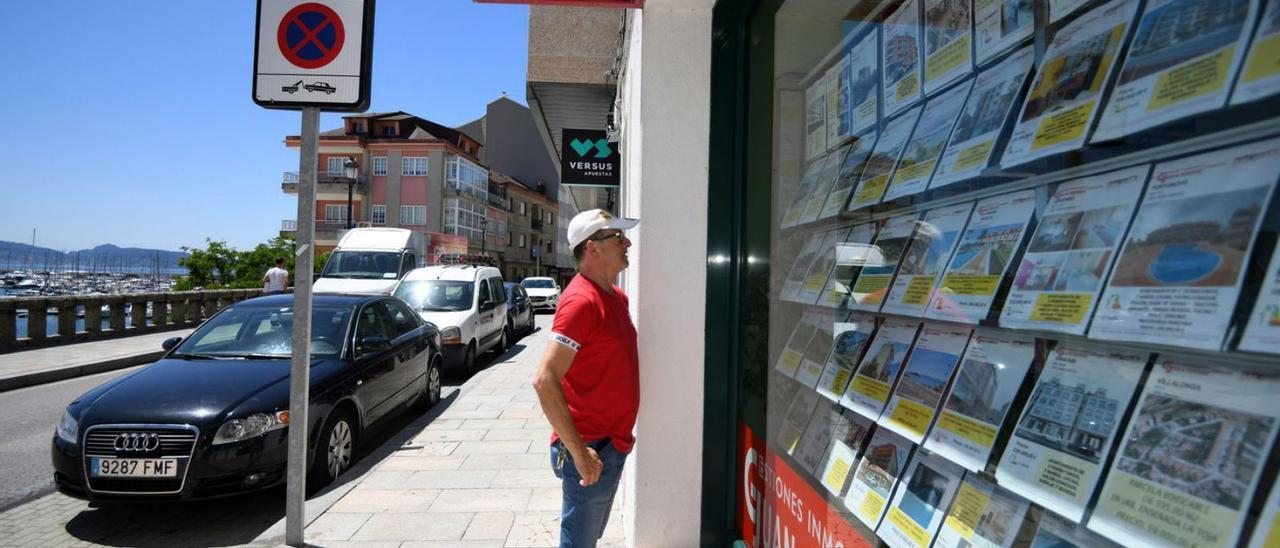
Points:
(300, 367)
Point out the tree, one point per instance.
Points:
(221, 267)
(212, 267)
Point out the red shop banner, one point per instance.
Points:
(778, 508)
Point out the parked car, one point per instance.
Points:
(467, 303)
(519, 308)
(370, 260)
(543, 292)
(211, 417)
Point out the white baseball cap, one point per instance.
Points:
(590, 221)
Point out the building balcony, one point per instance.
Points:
(535, 224)
(325, 183)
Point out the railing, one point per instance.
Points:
(288, 225)
(536, 224)
(290, 178)
(125, 315)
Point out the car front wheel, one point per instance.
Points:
(335, 451)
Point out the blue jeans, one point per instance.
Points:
(585, 510)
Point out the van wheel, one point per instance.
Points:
(469, 360)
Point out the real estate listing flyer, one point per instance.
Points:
(900, 54)
(855, 159)
(876, 275)
(1057, 284)
(948, 40)
(1260, 76)
(816, 353)
(863, 73)
(1055, 532)
(981, 260)
(990, 105)
(878, 471)
(1262, 332)
(851, 254)
(1063, 437)
(924, 260)
(868, 392)
(815, 119)
(851, 340)
(1068, 89)
(847, 438)
(821, 188)
(1182, 61)
(875, 176)
(797, 417)
(791, 217)
(836, 107)
(800, 266)
(1059, 9)
(1178, 275)
(999, 25)
(1266, 534)
(983, 515)
(793, 351)
(920, 502)
(817, 435)
(825, 260)
(994, 367)
(1191, 458)
(921, 153)
(915, 401)
(822, 265)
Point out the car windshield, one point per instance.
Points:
(362, 265)
(539, 284)
(436, 295)
(255, 332)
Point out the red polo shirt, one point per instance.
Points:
(603, 382)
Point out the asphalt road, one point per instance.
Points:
(30, 416)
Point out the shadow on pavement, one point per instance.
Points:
(239, 520)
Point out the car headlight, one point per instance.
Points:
(69, 428)
(253, 425)
(451, 335)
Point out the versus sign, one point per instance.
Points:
(587, 158)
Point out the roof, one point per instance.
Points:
(452, 272)
(317, 299)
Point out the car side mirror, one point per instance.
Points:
(374, 345)
(170, 342)
(487, 306)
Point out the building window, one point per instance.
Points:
(414, 165)
(413, 215)
(379, 165)
(388, 131)
(379, 214)
(549, 249)
(336, 165)
(465, 218)
(335, 213)
(466, 177)
(523, 241)
(524, 208)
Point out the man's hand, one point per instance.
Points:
(589, 466)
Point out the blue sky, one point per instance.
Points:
(131, 123)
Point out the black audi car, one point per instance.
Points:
(210, 418)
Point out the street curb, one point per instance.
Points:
(23, 380)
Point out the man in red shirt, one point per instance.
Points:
(589, 378)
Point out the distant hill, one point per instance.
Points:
(106, 257)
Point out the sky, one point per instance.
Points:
(132, 123)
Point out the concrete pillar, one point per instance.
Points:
(160, 311)
(37, 319)
(8, 323)
(93, 315)
(66, 318)
(179, 303)
(665, 141)
(116, 314)
(138, 311)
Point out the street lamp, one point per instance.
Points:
(350, 170)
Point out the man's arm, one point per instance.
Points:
(555, 363)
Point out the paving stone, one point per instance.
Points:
(335, 526)
(506, 462)
(542, 436)
(490, 526)
(369, 499)
(481, 500)
(492, 447)
(545, 499)
(490, 424)
(449, 435)
(419, 526)
(452, 462)
(450, 414)
(535, 529)
(525, 478)
(454, 544)
(427, 448)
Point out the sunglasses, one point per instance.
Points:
(617, 235)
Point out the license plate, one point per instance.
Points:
(133, 468)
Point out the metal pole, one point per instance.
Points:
(299, 368)
(350, 184)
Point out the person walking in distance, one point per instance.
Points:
(276, 279)
(589, 379)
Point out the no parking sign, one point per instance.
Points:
(313, 53)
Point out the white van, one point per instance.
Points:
(370, 260)
(469, 305)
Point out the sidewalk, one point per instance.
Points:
(55, 363)
(476, 476)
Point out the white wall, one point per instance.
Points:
(665, 97)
